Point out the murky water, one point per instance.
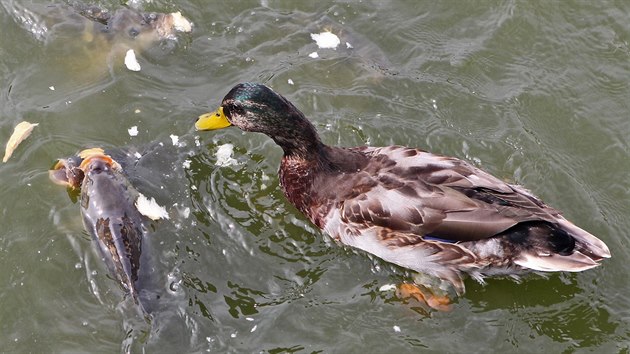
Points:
(534, 92)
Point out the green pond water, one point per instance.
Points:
(535, 92)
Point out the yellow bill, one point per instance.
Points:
(212, 121)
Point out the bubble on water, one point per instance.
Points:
(174, 281)
(78, 265)
(174, 286)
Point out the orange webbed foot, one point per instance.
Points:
(425, 296)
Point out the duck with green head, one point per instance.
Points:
(432, 214)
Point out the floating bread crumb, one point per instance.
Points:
(180, 23)
(326, 40)
(387, 287)
(133, 131)
(150, 208)
(224, 155)
(131, 62)
(20, 132)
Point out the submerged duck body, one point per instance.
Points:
(433, 214)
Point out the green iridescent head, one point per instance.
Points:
(257, 108)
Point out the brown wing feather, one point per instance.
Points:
(414, 192)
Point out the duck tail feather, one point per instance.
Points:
(586, 243)
(576, 262)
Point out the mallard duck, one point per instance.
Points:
(432, 214)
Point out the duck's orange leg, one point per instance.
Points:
(424, 295)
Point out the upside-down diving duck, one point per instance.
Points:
(436, 215)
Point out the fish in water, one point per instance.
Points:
(125, 24)
(109, 212)
(84, 36)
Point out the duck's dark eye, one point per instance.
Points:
(133, 33)
(227, 111)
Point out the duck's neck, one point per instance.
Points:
(297, 176)
(298, 138)
(306, 159)
(305, 178)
